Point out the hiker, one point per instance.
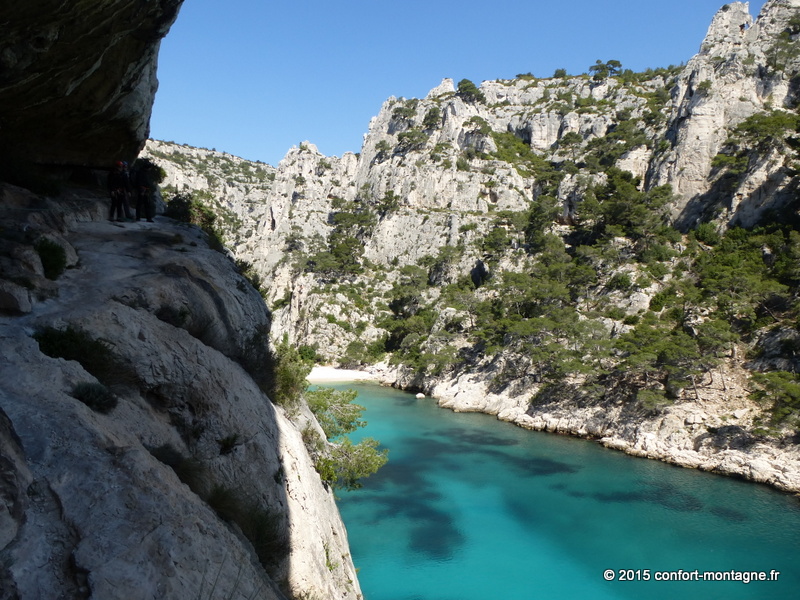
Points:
(119, 188)
(144, 186)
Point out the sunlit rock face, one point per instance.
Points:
(78, 78)
(744, 67)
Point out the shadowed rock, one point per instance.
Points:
(77, 86)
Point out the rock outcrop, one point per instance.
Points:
(431, 170)
(743, 67)
(78, 78)
(190, 483)
(438, 156)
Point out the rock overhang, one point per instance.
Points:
(77, 88)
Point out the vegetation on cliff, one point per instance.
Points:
(558, 256)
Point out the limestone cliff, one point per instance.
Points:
(432, 173)
(473, 220)
(139, 454)
(743, 67)
(149, 463)
(78, 78)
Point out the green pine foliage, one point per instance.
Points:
(341, 463)
(540, 294)
(188, 208)
(335, 410)
(470, 92)
(343, 254)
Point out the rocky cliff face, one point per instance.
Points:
(171, 474)
(139, 455)
(743, 67)
(78, 78)
(492, 205)
(432, 172)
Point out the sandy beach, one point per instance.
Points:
(332, 374)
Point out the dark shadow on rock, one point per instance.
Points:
(778, 192)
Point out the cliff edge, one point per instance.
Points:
(139, 457)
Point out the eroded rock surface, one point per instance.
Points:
(155, 498)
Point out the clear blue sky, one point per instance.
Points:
(256, 77)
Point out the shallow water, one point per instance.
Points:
(472, 508)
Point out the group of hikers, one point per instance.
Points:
(126, 187)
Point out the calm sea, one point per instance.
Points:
(470, 508)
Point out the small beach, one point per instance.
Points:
(332, 374)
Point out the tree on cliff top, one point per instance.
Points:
(601, 70)
(469, 92)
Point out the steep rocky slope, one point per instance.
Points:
(173, 475)
(554, 250)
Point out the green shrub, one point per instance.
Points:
(187, 209)
(53, 257)
(704, 87)
(95, 395)
(767, 128)
(413, 139)
(407, 111)
(601, 70)
(348, 463)
(288, 377)
(383, 148)
(228, 443)
(248, 271)
(480, 125)
(651, 400)
(779, 391)
(336, 411)
(621, 282)
(432, 118)
(616, 312)
(469, 92)
(735, 164)
(308, 353)
(708, 234)
(282, 302)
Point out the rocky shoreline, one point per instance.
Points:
(711, 433)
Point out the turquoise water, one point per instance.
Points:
(472, 508)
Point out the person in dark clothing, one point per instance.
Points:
(144, 186)
(119, 188)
